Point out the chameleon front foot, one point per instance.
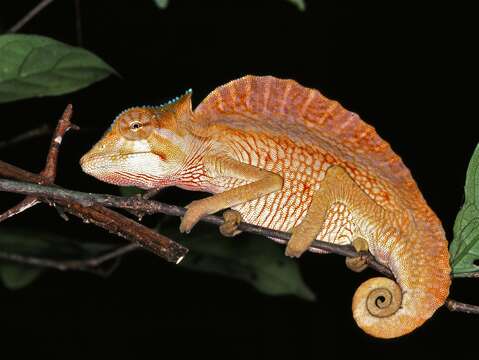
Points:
(230, 227)
(359, 263)
(195, 211)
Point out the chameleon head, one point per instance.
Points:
(143, 147)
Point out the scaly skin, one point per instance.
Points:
(288, 158)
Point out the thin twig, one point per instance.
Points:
(64, 265)
(23, 205)
(28, 135)
(30, 15)
(64, 124)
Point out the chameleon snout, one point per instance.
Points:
(87, 163)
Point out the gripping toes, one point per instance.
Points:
(230, 227)
(358, 264)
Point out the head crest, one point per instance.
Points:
(164, 107)
(177, 99)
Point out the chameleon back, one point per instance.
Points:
(276, 106)
(419, 257)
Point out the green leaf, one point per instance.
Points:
(18, 276)
(162, 4)
(32, 66)
(472, 179)
(300, 4)
(257, 261)
(464, 249)
(40, 245)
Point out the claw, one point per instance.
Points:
(359, 263)
(356, 264)
(293, 253)
(184, 227)
(195, 211)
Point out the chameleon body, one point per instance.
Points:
(288, 158)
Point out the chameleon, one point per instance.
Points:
(286, 157)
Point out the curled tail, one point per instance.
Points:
(420, 263)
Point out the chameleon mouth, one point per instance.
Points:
(115, 168)
(106, 159)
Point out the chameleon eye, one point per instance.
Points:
(135, 129)
(135, 126)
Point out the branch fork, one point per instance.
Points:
(87, 211)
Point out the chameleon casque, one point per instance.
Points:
(287, 158)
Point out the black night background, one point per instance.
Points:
(405, 69)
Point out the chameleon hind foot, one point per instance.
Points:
(232, 219)
(336, 187)
(359, 263)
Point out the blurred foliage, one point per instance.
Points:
(162, 4)
(258, 261)
(464, 249)
(32, 66)
(130, 190)
(300, 4)
(42, 245)
(249, 258)
(16, 276)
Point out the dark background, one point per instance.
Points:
(406, 70)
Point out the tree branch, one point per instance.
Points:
(113, 222)
(61, 195)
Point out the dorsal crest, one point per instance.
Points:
(266, 104)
